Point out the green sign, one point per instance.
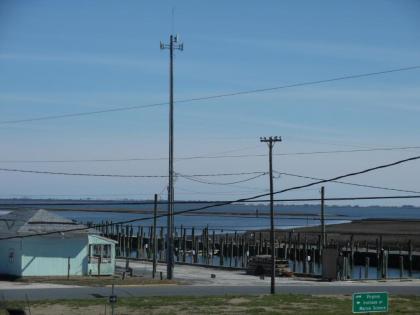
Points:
(370, 302)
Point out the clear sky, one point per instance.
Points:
(59, 57)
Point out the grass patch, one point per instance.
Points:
(229, 304)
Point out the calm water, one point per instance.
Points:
(218, 223)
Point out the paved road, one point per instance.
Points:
(201, 282)
(173, 290)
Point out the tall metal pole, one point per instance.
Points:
(323, 238)
(173, 44)
(155, 247)
(270, 141)
(170, 264)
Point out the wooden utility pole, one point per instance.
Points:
(323, 236)
(155, 248)
(270, 141)
(173, 44)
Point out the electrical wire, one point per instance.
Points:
(213, 202)
(79, 174)
(198, 157)
(259, 173)
(368, 170)
(221, 183)
(348, 183)
(246, 191)
(263, 216)
(123, 176)
(300, 153)
(212, 97)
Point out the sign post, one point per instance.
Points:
(112, 299)
(370, 302)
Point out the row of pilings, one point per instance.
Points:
(233, 249)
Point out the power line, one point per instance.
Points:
(98, 196)
(261, 216)
(368, 170)
(245, 190)
(134, 159)
(122, 175)
(191, 177)
(14, 170)
(78, 196)
(223, 174)
(197, 157)
(348, 183)
(351, 151)
(102, 111)
(300, 153)
(192, 202)
(348, 175)
(221, 183)
(212, 97)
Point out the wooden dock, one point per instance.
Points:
(302, 247)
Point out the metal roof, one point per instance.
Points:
(28, 222)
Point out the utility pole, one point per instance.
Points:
(173, 44)
(323, 238)
(155, 247)
(270, 141)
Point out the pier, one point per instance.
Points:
(362, 255)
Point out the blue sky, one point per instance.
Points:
(59, 57)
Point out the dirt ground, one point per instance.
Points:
(95, 281)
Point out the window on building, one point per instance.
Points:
(94, 253)
(106, 253)
(100, 252)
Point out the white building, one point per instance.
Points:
(66, 248)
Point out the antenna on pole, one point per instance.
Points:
(173, 20)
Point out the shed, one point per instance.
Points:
(41, 243)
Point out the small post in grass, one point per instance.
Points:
(28, 305)
(112, 299)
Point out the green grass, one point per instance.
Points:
(261, 304)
